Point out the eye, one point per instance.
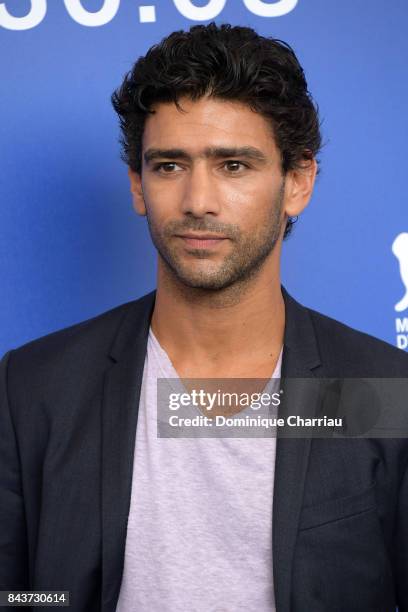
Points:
(165, 167)
(234, 167)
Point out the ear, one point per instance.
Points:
(299, 185)
(137, 192)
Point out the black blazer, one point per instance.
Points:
(68, 413)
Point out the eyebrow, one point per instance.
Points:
(209, 153)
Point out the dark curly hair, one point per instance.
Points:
(230, 63)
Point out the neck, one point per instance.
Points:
(232, 331)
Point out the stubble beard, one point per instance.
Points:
(237, 268)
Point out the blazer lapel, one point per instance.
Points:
(122, 386)
(300, 358)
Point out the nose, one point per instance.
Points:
(200, 193)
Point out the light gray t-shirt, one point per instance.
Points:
(199, 534)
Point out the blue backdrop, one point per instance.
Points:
(71, 246)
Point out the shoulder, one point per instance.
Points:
(361, 353)
(84, 345)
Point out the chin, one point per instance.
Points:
(209, 284)
(206, 282)
(203, 277)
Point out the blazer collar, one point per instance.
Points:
(131, 336)
(122, 385)
(300, 352)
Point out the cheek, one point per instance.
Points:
(250, 200)
(160, 201)
(162, 194)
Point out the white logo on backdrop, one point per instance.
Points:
(400, 250)
(147, 14)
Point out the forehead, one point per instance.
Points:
(207, 122)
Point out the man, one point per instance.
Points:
(220, 135)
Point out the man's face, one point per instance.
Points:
(212, 189)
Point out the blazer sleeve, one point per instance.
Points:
(401, 544)
(13, 533)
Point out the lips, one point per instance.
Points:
(202, 236)
(202, 241)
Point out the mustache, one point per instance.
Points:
(202, 225)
